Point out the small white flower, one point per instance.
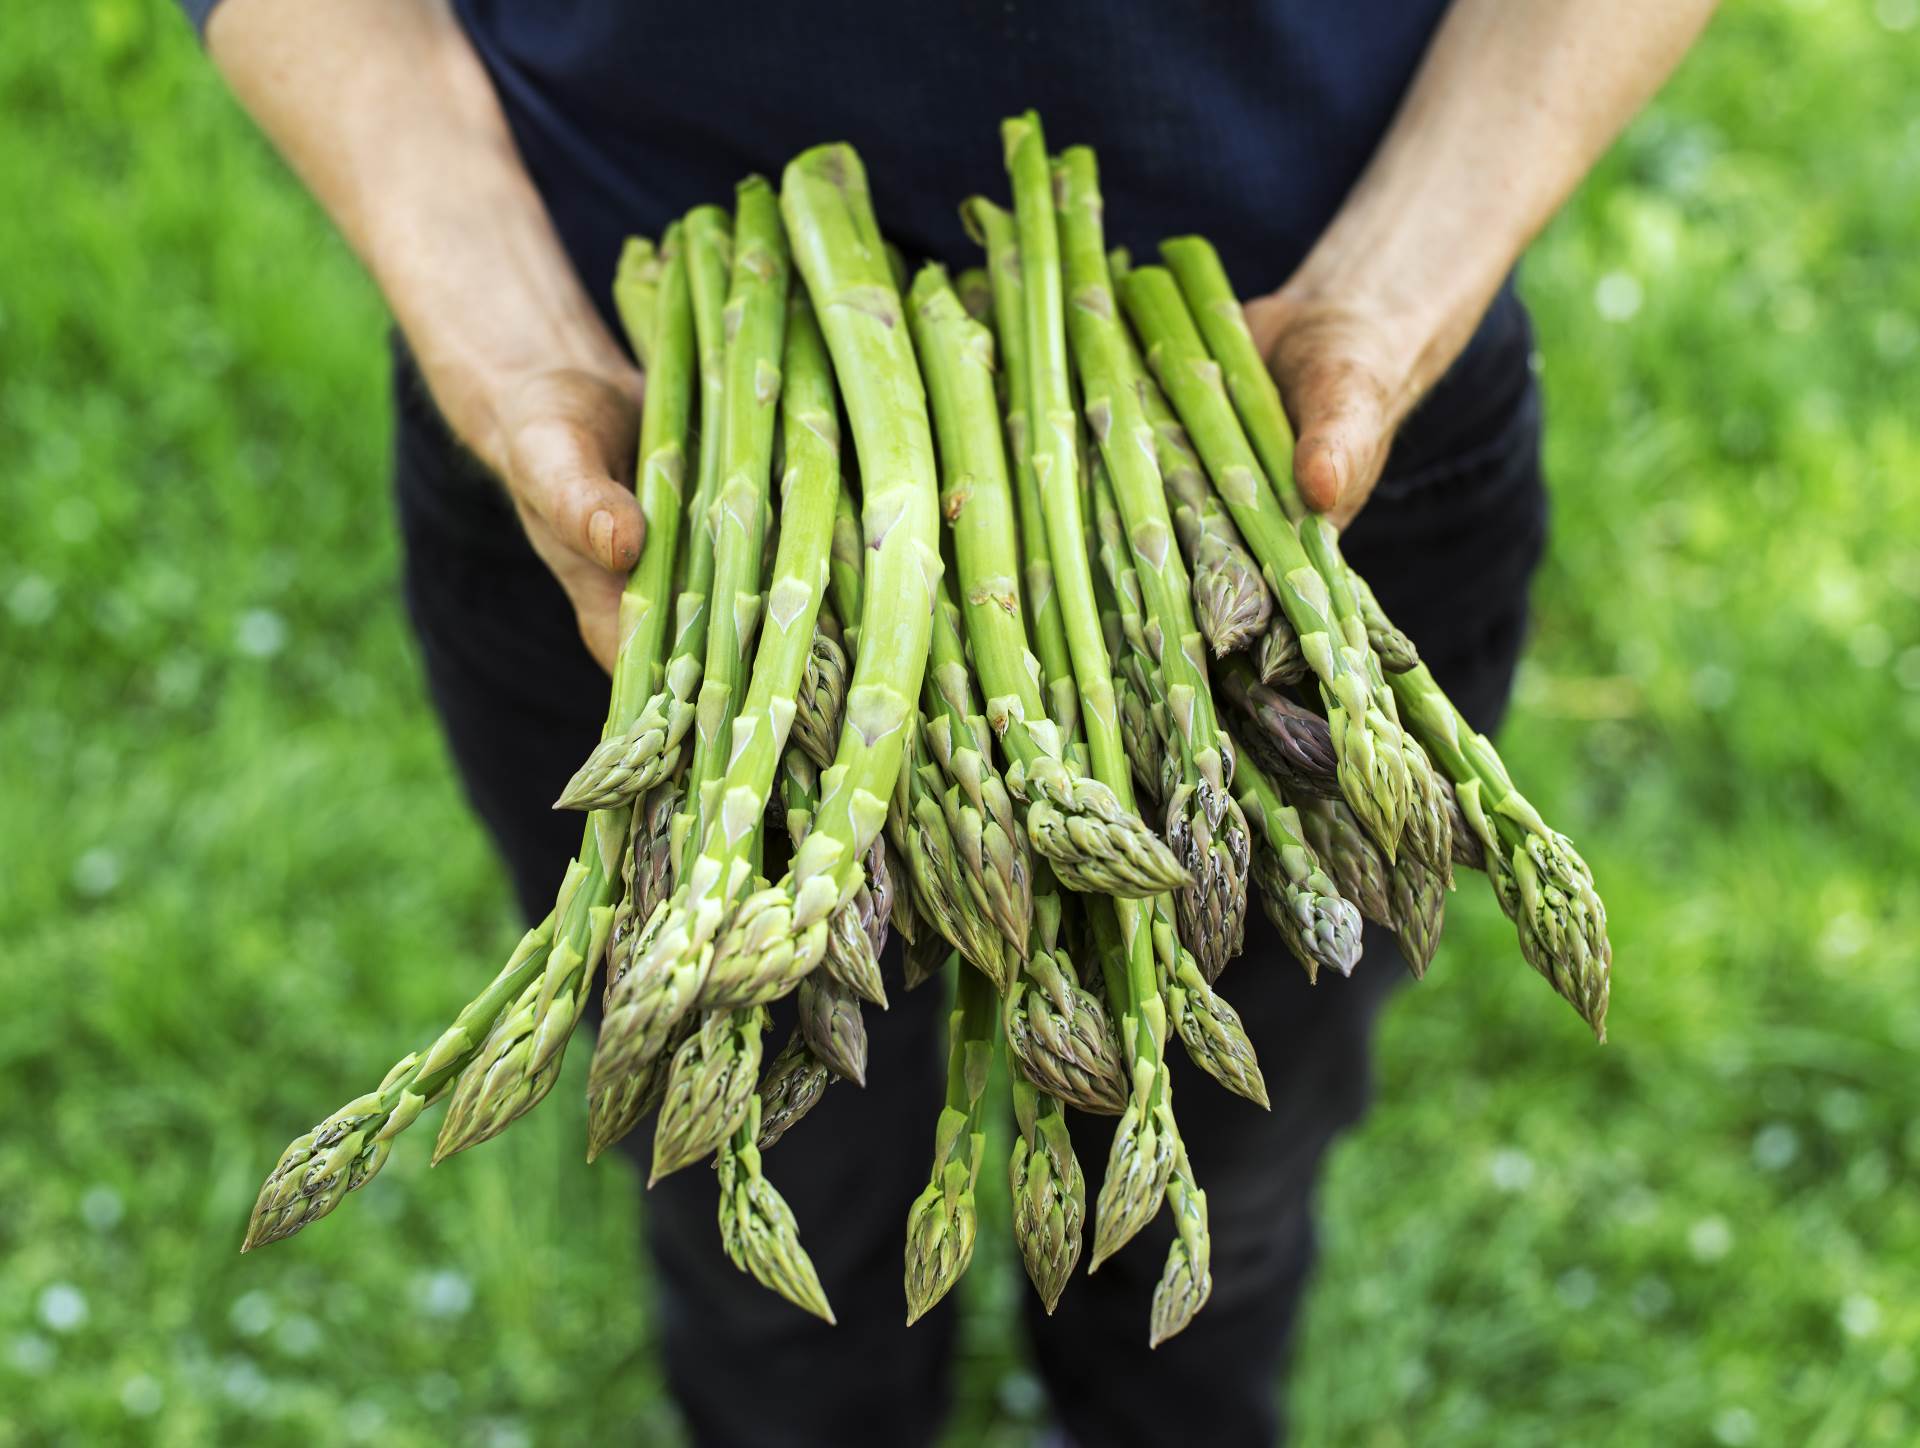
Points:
(1651, 1298)
(96, 873)
(32, 599)
(443, 1294)
(1511, 1170)
(298, 1337)
(101, 1208)
(1617, 296)
(30, 1355)
(252, 1313)
(63, 1307)
(260, 634)
(1710, 1239)
(1577, 1288)
(1859, 1315)
(141, 1396)
(1775, 1145)
(1734, 1427)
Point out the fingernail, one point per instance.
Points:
(600, 537)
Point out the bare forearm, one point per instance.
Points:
(384, 111)
(1514, 101)
(1511, 107)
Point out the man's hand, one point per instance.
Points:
(1345, 377)
(1510, 107)
(388, 116)
(565, 450)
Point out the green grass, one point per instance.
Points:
(238, 877)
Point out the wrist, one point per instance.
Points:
(1419, 279)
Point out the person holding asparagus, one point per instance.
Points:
(1370, 181)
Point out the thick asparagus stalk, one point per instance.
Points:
(521, 1058)
(1142, 1153)
(994, 228)
(343, 1152)
(1368, 741)
(1232, 601)
(640, 756)
(636, 292)
(1318, 925)
(942, 1222)
(1079, 826)
(1212, 908)
(779, 934)
(1222, 322)
(975, 291)
(1539, 878)
(756, 319)
(677, 950)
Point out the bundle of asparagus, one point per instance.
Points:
(1141, 683)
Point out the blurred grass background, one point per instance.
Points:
(237, 878)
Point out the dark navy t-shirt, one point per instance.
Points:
(1245, 120)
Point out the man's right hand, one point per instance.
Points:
(391, 120)
(565, 447)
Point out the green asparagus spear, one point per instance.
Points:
(521, 1058)
(636, 292)
(1142, 1152)
(1048, 1190)
(1539, 878)
(640, 756)
(1222, 322)
(1338, 845)
(1230, 598)
(710, 1088)
(1207, 1025)
(942, 1223)
(779, 934)
(343, 1152)
(1076, 824)
(677, 952)
(789, 1089)
(1368, 741)
(994, 228)
(1059, 1036)
(1301, 900)
(1212, 909)
(990, 842)
(757, 1226)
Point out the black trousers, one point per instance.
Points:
(1449, 544)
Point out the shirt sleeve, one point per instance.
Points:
(197, 11)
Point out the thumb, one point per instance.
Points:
(1340, 413)
(561, 471)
